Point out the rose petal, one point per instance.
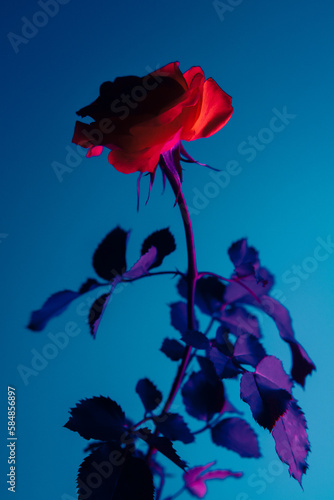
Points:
(139, 161)
(215, 112)
(165, 126)
(153, 98)
(172, 70)
(194, 77)
(79, 137)
(155, 112)
(94, 151)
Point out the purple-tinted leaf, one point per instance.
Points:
(248, 350)
(109, 257)
(163, 241)
(202, 397)
(257, 285)
(248, 272)
(90, 284)
(57, 303)
(302, 365)
(238, 321)
(54, 306)
(96, 312)
(107, 473)
(173, 427)
(224, 365)
(141, 267)
(210, 373)
(267, 391)
(97, 418)
(173, 349)
(209, 294)
(194, 479)
(223, 342)
(244, 258)
(196, 339)
(179, 318)
(291, 441)
(208, 369)
(162, 444)
(235, 434)
(149, 394)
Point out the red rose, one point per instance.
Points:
(141, 118)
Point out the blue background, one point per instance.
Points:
(266, 55)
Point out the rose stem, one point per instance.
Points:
(191, 283)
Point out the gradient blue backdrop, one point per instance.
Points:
(266, 55)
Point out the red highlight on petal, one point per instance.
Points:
(94, 151)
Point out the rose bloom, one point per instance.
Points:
(139, 119)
